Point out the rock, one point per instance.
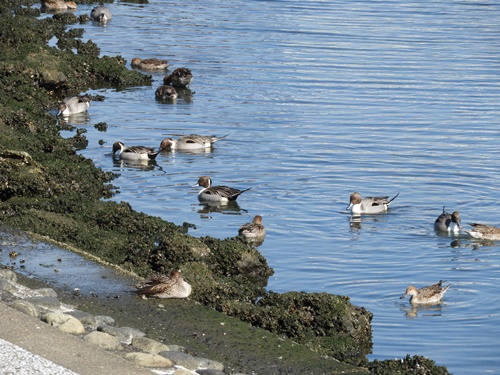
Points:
(88, 320)
(148, 359)
(46, 292)
(184, 371)
(149, 345)
(103, 320)
(122, 336)
(134, 332)
(8, 275)
(103, 340)
(210, 371)
(64, 322)
(181, 359)
(8, 286)
(25, 307)
(45, 303)
(209, 364)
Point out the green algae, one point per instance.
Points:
(48, 189)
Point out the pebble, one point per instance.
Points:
(101, 331)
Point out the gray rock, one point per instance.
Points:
(134, 332)
(88, 320)
(8, 286)
(209, 371)
(148, 359)
(103, 320)
(26, 307)
(103, 340)
(45, 303)
(64, 322)
(181, 359)
(46, 292)
(177, 348)
(8, 275)
(209, 364)
(123, 336)
(149, 345)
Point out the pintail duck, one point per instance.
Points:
(165, 93)
(180, 78)
(484, 232)
(448, 222)
(369, 205)
(100, 14)
(73, 105)
(135, 152)
(190, 142)
(216, 194)
(58, 4)
(149, 64)
(162, 286)
(254, 231)
(427, 295)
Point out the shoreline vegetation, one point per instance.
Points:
(48, 189)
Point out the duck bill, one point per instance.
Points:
(349, 206)
(403, 296)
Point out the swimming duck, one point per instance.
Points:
(190, 142)
(216, 194)
(484, 232)
(100, 14)
(254, 231)
(73, 104)
(162, 286)
(448, 222)
(427, 295)
(149, 64)
(58, 4)
(135, 152)
(165, 92)
(180, 78)
(369, 205)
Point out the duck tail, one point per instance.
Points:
(153, 155)
(393, 198)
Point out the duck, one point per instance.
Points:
(427, 295)
(165, 92)
(73, 105)
(135, 152)
(190, 142)
(254, 231)
(100, 14)
(58, 4)
(180, 78)
(448, 222)
(216, 194)
(163, 286)
(369, 205)
(484, 232)
(149, 64)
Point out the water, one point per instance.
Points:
(320, 99)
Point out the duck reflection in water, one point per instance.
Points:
(231, 208)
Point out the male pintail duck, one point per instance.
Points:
(162, 286)
(369, 205)
(100, 14)
(427, 295)
(190, 142)
(254, 231)
(58, 4)
(216, 194)
(149, 64)
(448, 222)
(484, 232)
(180, 78)
(165, 92)
(135, 152)
(73, 105)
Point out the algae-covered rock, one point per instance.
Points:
(416, 365)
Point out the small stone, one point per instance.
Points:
(8, 286)
(134, 332)
(46, 292)
(103, 320)
(26, 307)
(85, 318)
(181, 359)
(210, 371)
(64, 322)
(209, 364)
(148, 359)
(103, 340)
(123, 336)
(47, 303)
(149, 345)
(8, 275)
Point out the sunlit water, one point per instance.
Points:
(320, 99)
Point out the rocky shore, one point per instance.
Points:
(48, 189)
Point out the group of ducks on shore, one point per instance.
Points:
(445, 222)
